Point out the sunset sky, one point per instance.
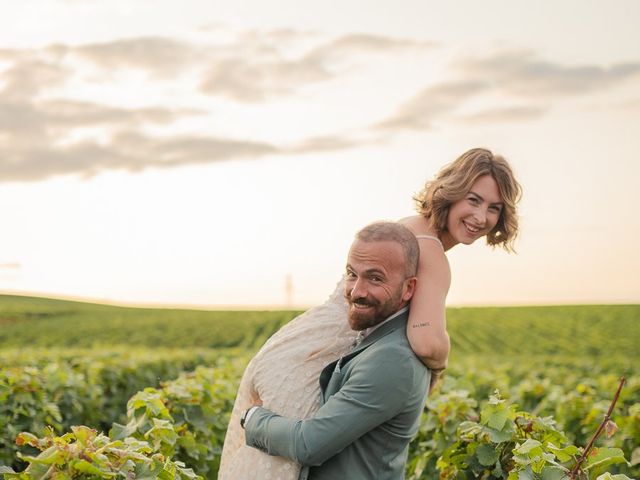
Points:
(199, 153)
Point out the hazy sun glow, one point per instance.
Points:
(192, 154)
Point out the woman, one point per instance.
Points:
(473, 197)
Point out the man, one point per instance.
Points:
(372, 397)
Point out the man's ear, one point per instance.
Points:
(409, 288)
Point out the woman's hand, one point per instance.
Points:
(436, 375)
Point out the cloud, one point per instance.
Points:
(165, 57)
(431, 104)
(506, 79)
(181, 150)
(252, 66)
(73, 113)
(524, 74)
(327, 143)
(125, 151)
(29, 117)
(46, 131)
(28, 76)
(269, 72)
(257, 81)
(507, 114)
(41, 139)
(358, 43)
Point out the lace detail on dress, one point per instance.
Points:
(284, 375)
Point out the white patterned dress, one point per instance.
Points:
(284, 375)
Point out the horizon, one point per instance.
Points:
(283, 307)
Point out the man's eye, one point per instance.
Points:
(350, 275)
(376, 279)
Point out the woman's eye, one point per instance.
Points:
(473, 200)
(495, 209)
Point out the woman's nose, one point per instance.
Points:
(480, 215)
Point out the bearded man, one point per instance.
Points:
(373, 396)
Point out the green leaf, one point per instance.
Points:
(119, 432)
(189, 473)
(608, 476)
(527, 446)
(85, 467)
(487, 455)
(195, 416)
(50, 456)
(553, 473)
(164, 430)
(526, 474)
(84, 435)
(498, 436)
(165, 474)
(563, 454)
(494, 416)
(188, 442)
(602, 457)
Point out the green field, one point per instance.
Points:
(30, 321)
(68, 363)
(586, 331)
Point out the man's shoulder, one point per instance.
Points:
(395, 341)
(390, 368)
(393, 350)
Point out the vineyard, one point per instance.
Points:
(106, 392)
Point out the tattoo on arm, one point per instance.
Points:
(423, 324)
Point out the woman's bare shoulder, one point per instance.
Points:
(422, 230)
(417, 224)
(434, 264)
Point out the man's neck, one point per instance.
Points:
(370, 330)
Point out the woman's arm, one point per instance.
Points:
(427, 328)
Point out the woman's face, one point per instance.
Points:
(477, 213)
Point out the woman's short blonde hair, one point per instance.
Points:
(453, 183)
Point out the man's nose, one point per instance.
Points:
(358, 289)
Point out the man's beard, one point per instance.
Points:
(375, 314)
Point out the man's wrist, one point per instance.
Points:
(247, 415)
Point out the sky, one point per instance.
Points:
(215, 154)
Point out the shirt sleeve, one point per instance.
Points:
(374, 393)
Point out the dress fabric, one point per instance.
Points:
(284, 375)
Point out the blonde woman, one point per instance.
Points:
(473, 197)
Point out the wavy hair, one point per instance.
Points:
(454, 181)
